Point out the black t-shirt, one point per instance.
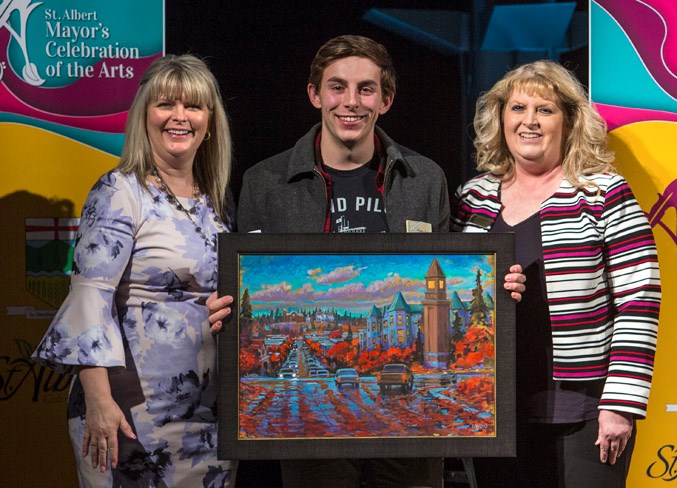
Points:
(356, 204)
(540, 397)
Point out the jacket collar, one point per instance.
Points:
(302, 157)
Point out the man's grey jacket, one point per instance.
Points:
(286, 193)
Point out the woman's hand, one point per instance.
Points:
(514, 282)
(218, 309)
(615, 429)
(103, 418)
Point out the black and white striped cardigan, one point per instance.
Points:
(602, 281)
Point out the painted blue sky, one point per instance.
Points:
(355, 282)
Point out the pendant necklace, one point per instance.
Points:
(173, 200)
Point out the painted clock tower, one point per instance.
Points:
(436, 318)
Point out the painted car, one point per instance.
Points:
(287, 373)
(347, 376)
(447, 378)
(322, 373)
(395, 374)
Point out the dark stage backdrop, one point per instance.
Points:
(261, 51)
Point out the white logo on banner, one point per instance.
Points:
(24, 8)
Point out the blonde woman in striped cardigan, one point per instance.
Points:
(587, 323)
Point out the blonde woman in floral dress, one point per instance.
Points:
(134, 326)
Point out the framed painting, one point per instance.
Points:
(356, 345)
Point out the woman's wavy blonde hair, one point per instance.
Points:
(176, 77)
(585, 148)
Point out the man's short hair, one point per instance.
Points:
(360, 46)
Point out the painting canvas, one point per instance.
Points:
(380, 345)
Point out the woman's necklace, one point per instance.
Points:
(173, 200)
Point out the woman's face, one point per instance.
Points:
(535, 131)
(176, 129)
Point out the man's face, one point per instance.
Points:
(351, 99)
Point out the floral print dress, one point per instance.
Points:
(141, 276)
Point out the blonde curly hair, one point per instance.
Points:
(585, 148)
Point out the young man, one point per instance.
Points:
(347, 175)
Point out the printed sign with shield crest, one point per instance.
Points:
(49, 256)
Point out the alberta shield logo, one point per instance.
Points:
(49, 257)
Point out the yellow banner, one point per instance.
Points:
(633, 60)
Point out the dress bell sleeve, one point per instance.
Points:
(86, 330)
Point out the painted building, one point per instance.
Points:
(438, 319)
(372, 334)
(396, 325)
(436, 311)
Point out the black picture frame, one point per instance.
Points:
(235, 249)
